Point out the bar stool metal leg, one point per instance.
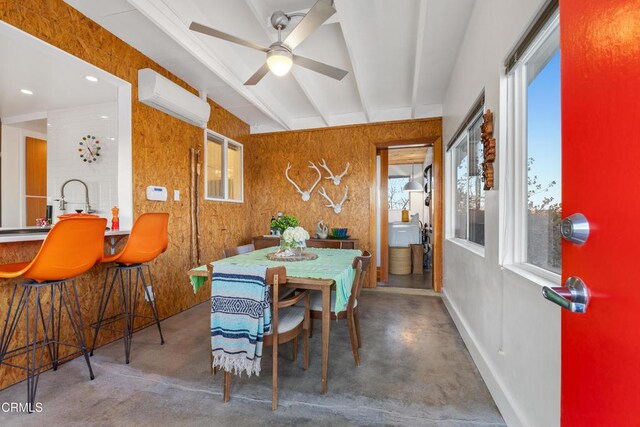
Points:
(124, 309)
(11, 322)
(151, 298)
(104, 302)
(79, 324)
(128, 295)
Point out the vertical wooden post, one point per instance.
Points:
(384, 215)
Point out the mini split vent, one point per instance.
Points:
(161, 93)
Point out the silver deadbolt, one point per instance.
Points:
(573, 296)
(575, 229)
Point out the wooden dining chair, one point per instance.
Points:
(361, 265)
(229, 252)
(288, 321)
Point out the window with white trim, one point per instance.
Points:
(534, 203)
(467, 187)
(223, 168)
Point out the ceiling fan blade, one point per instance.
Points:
(224, 36)
(317, 15)
(320, 67)
(258, 75)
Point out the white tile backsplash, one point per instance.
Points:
(67, 127)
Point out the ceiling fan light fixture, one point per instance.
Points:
(279, 61)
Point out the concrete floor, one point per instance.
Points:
(415, 370)
(414, 281)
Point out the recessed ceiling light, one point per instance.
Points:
(104, 117)
(91, 79)
(26, 91)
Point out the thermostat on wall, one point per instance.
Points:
(158, 194)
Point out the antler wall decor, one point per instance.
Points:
(336, 208)
(489, 153)
(334, 178)
(306, 195)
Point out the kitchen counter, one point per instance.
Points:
(29, 235)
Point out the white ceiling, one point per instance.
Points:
(399, 55)
(57, 80)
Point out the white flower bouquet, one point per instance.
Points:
(295, 236)
(292, 241)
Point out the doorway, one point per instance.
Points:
(409, 220)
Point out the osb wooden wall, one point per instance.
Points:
(160, 156)
(270, 192)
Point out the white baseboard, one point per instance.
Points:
(500, 395)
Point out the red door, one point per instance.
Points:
(600, 45)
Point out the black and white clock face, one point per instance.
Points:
(89, 149)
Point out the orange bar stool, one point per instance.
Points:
(72, 247)
(148, 239)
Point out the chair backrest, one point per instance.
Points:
(149, 238)
(229, 252)
(71, 248)
(358, 282)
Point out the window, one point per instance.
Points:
(224, 175)
(534, 211)
(468, 187)
(398, 198)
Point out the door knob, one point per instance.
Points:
(573, 296)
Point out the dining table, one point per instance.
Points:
(331, 270)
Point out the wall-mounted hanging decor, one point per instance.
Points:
(337, 208)
(306, 195)
(489, 145)
(89, 149)
(334, 178)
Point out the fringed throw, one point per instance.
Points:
(240, 317)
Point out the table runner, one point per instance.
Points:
(334, 264)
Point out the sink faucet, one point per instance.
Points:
(63, 203)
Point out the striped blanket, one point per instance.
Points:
(240, 316)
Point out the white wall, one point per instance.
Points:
(67, 127)
(513, 334)
(13, 174)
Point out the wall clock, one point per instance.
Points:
(89, 149)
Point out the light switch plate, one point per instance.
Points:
(176, 195)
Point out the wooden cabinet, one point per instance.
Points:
(261, 242)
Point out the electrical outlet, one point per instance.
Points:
(149, 294)
(176, 195)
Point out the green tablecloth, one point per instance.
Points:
(331, 264)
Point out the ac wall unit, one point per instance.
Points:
(161, 93)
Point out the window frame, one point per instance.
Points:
(225, 165)
(464, 136)
(514, 202)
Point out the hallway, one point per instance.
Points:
(415, 371)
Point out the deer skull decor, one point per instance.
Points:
(336, 208)
(334, 178)
(306, 195)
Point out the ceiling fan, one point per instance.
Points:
(280, 56)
